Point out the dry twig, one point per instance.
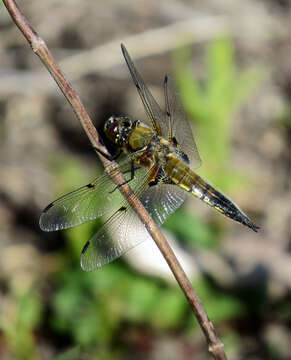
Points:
(40, 48)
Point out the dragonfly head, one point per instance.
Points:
(118, 129)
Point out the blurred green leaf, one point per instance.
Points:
(30, 310)
(213, 104)
(19, 330)
(191, 230)
(71, 354)
(285, 117)
(170, 308)
(219, 305)
(141, 299)
(69, 171)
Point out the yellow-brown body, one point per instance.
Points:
(168, 164)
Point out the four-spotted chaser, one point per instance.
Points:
(160, 155)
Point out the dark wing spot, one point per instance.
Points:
(123, 208)
(48, 207)
(85, 247)
(180, 152)
(185, 157)
(175, 142)
(168, 114)
(90, 186)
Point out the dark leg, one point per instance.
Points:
(108, 157)
(132, 170)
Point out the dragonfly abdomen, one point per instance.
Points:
(181, 174)
(219, 202)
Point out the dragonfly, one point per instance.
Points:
(158, 157)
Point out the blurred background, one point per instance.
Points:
(231, 61)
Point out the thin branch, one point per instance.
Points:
(40, 48)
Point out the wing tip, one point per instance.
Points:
(246, 221)
(88, 263)
(42, 222)
(46, 226)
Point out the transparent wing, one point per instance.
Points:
(162, 200)
(179, 126)
(156, 115)
(87, 203)
(124, 230)
(120, 233)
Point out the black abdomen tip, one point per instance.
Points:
(246, 221)
(253, 226)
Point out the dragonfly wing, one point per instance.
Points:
(120, 233)
(155, 114)
(87, 203)
(179, 126)
(124, 230)
(162, 200)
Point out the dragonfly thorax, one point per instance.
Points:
(119, 128)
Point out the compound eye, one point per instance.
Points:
(109, 122)
(127, 122)
(111, 129)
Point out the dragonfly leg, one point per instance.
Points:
(132, 170)
(108, 157)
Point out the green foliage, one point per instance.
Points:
(92, 306)
(219, 305)
(285, 117)
(71, 354)
(212, 105)
(191, 230)
(71, 173)
(18, 329)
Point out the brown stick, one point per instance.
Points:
(215, 346)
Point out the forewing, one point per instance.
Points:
(156, 116)
(87, 203)
(179, 125)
